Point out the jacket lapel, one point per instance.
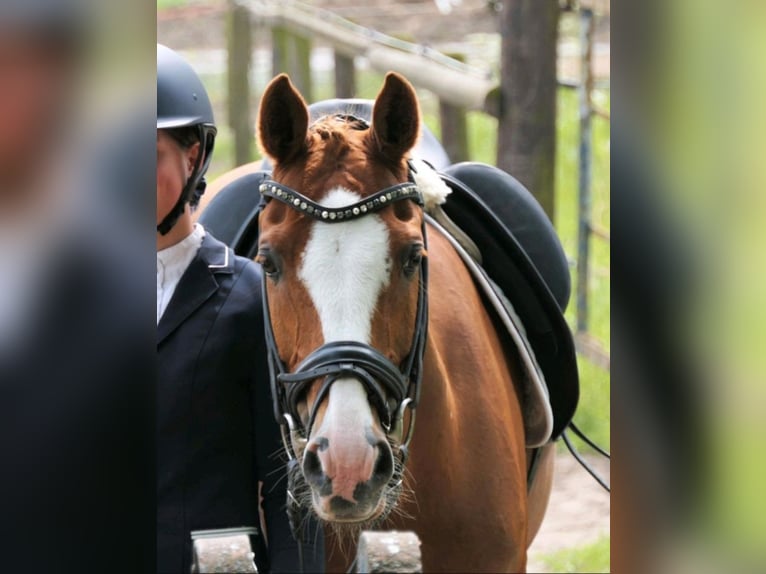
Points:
(197, 284)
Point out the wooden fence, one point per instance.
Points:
(295, 25)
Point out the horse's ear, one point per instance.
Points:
(396, 118)
(283, 120)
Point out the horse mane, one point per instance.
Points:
(345, 117)
(332, 137)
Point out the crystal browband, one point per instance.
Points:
(375, 202)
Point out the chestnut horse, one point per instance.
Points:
(358, 281)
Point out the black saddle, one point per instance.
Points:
(232, 215)
(504, 197)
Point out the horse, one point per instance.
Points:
(370, 313)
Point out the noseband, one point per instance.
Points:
(392, 389)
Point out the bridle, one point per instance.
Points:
(392, 388)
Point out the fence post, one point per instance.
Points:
(454, 128)
(279, 50)
(454, 131)
(526, 138)
(392, 551)
(239, 49)
(291, 54)
(345, 76)
(584, 90)
(300, 72)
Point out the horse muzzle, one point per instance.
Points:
(348, 473)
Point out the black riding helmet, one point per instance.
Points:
(182, 101)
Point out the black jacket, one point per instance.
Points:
(216, 435)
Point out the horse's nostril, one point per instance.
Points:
(384, 465)
(313, 471)
(312, 467)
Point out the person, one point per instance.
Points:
(217, 437)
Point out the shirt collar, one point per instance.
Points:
(181, 254)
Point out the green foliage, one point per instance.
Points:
(589, 558)
(592, 416)
(482, 137)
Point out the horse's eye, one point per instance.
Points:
(413, 259)
(268, 263)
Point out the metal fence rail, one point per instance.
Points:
(586, 344)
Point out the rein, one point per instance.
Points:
(392, 388)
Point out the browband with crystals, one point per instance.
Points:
(375, 202)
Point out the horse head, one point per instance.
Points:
(343, 251)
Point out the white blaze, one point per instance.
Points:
(344, 268)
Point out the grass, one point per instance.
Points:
(588, 558)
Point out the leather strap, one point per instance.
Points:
(371, 204)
